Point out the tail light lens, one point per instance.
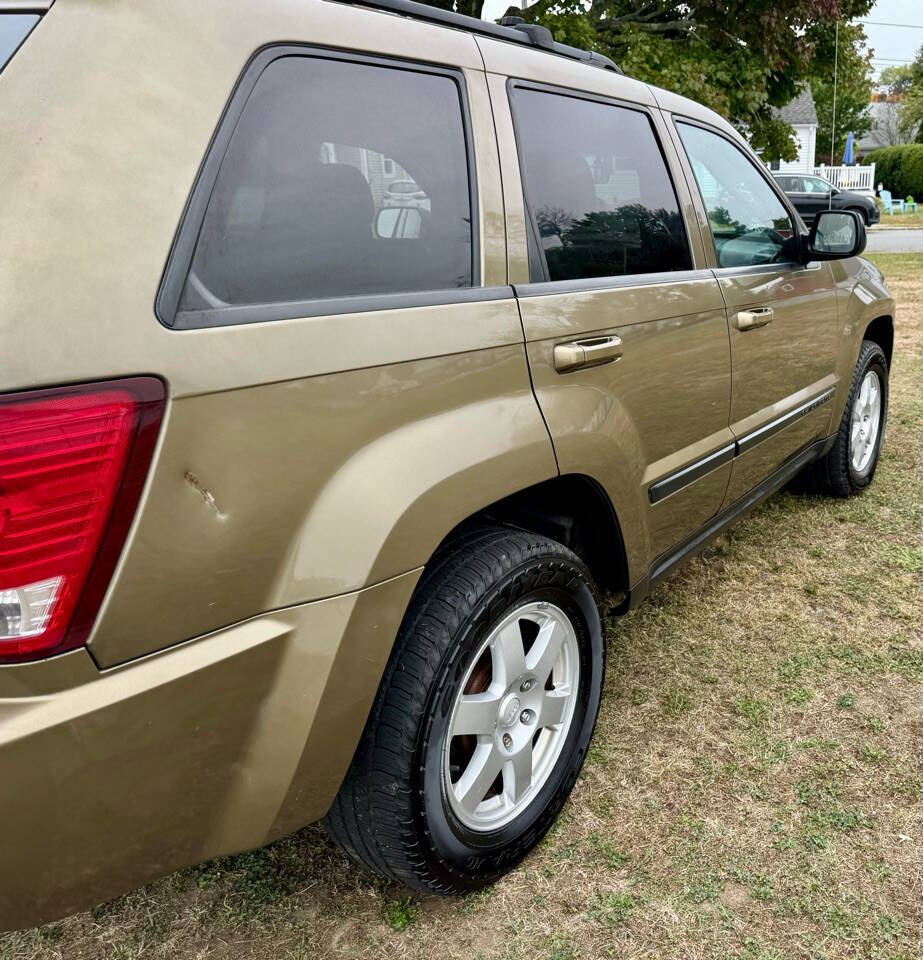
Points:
(72, 465)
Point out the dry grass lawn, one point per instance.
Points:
(752, 792)
(896, 221)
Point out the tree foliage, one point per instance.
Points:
(853, 90)
(900, 169)
(739, 57)
(899, 121)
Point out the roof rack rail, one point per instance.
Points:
(513, 29)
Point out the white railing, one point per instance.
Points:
(849, 178)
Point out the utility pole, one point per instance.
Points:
(836, 54)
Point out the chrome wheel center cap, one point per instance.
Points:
(509, 710)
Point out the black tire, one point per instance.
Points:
(863, 214)
(834, 474)
(391, 813)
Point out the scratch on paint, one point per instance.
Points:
(205, 493)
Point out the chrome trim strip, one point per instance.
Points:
(750, 440)
(682, 478)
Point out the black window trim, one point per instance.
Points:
(166, 304)
(774, 185)
(538, 264)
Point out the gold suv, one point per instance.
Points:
(351, 351)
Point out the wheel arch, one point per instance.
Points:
(572, 509)
(881, 331)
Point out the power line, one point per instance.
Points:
(890, 60)
(882, 23)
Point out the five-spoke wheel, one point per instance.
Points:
(849, 464)
(483, 718)
(511, 716)
(865, 421)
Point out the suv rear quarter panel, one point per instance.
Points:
(300, 458)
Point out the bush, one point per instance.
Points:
(900, 169)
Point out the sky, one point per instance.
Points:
(894, 45)
(889, 44)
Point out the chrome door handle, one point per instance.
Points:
(750, 319)
(586, 353)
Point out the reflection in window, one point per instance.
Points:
(748, 222)
(321, 150)
(598, 187)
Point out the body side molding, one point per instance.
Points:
(698, 468)
(667, 562)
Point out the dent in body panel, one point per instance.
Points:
(327, 484)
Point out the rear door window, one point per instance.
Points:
(324, 155)
(816, 185)
(600, 197)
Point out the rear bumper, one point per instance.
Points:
(110, 779)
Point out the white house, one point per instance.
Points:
(802, 117)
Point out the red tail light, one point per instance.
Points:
(72, 465)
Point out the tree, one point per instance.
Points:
(911, 112)
(853, 90)
(897, 119)
(739, 57)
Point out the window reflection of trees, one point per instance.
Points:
(630, 239)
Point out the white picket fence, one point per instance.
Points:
(859, 178)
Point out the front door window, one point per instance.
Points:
(748, 222)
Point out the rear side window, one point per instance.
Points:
(14, 28)
(324, 156)
(601, 199)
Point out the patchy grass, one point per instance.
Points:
(752, 791)
(899, 221)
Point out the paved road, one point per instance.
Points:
(895, 241)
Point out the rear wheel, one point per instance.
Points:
(483, 717)
(850, 464)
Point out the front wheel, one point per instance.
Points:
(483, 717)
(850, 464)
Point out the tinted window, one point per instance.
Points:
(816, 185)
(308, 173)
(598, 188)
(14, 28)
(748, 222)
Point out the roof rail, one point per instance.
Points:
(513, 29)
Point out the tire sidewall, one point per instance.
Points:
(874, 360)
(471, 857)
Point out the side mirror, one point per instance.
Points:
(404, 223)
(835, 235)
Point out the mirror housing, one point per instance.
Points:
(835, 235)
